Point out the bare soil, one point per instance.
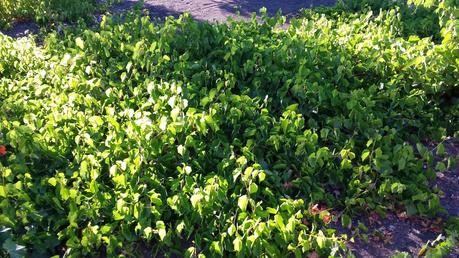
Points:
(219, 10)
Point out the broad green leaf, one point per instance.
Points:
(253, 188)
(365, 154)
(280, 222)
(237, 243)
(346, 221)
(242, 202)
(321, 240)
(440, 149)
(161, 228)
(79, 42)
(52, 181)
(440, 166)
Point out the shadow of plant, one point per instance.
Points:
(247, 7)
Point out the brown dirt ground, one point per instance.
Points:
(219, 10)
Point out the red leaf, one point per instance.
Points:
(315, 209)
(313, 255)
(402, 216)
(288, 185)
(2, 150)
(326, 219)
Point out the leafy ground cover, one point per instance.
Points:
(235, 139)
(46, 11)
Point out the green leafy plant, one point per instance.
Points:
(46, 11)
(236, 139)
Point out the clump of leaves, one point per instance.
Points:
(423, 18)
(46, 11)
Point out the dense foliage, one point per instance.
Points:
(45, 11)
(220, 139)
(419, 17)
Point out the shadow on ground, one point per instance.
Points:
(220, 10)
(155, 10)
(22, 29)
(288, 8)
